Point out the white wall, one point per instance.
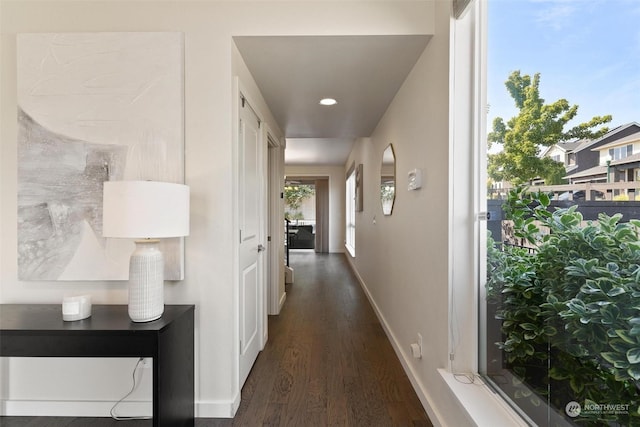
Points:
(402, 260)
(69, 386)
(336, 199)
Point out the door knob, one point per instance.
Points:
(261, 248)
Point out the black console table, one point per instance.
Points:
(37, 330)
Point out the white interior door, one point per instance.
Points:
(251, 211)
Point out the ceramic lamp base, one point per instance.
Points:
(146, 281)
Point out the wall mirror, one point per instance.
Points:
(388, 180)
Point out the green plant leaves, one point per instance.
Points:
(544, 199)
(528, 326)
(575, 384)
(570, 306)
(619, 346)
(615, 358)
(633, 355)
(614, 292)
(570, 220)
(634, 372)
(625, 335)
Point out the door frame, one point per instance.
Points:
(276, 294)
(314, 177)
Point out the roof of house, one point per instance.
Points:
(572, 145)
(562, 146)
(594, 171)
(607, 135)
(582, 144)
(570, 168)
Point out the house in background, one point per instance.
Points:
(623, 158)
(564, 152)
(585, 160)
(437, 99)
(619, 161)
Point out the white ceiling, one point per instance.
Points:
(313, 151)
(363, 73)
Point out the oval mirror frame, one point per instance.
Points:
(388, 180)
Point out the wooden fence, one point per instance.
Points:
(590, 209)
(619, 191)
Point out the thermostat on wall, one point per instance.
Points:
(415, 179)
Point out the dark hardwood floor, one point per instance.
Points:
(328, 362)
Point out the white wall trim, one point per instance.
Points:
(74, 408)
(275, 205)
(482, 405)
(69, 408)
(235, 137)
(218, 408)
(462, 256)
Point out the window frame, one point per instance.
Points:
(350, 211)
(466, 204)
(621, 152)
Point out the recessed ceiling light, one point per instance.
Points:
(328, 101)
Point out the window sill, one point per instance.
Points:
(483, 406)
(351, 250)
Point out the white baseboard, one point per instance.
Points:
(283, 298)
(218, 408)
(67, 408)
(482, 406)
(420, 390)
(53, 408)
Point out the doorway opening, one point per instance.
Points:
(307, 213)
(300, 211)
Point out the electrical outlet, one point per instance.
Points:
(416, 348)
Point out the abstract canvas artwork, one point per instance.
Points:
(93, 107)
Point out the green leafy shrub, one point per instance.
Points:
(570, 306)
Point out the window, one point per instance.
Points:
(559, 334)
(350, 241)
(619, 153)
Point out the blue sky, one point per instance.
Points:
(586, 51)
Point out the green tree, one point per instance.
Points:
(294, 195)
(536, 126)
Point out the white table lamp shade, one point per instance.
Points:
(146, 211)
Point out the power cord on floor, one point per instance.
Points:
(113, 409)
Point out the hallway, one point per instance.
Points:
(328, 360)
